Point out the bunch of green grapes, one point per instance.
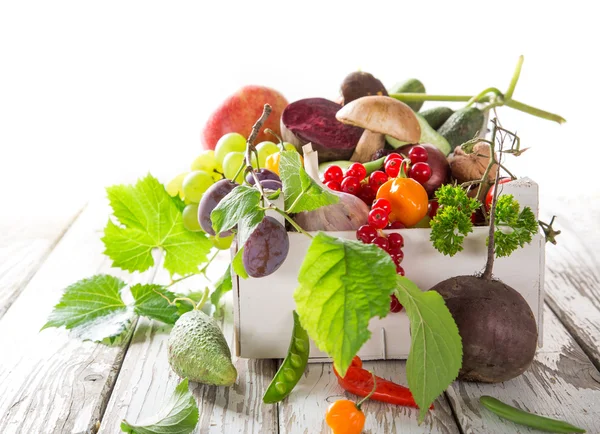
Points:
(226, 161)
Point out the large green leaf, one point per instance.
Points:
(339, 293)
(435, 347)
(179, 415)
(149, 218)
(93, 309)
(150, 302)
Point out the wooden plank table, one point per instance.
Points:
(53, 383)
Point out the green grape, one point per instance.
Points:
(289, 147)
(221, 243)
(205, 161)
(175, 185)
(217, 176)
(195, 184)
(190, 218)
(232, 164)
(264, 150)
(230, 142)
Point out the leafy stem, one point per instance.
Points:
(288, 218)
(549, 232)
(496, 100)
(290, 210)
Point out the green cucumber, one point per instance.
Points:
(411, 85)
(428, 135)
(462, 126)
(436, 116)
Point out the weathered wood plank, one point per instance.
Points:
(573, 270)
(52, 382)
(26, 239)
(562, 383)
(146, 379)
(304, 410)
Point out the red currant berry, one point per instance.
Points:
(366, 234)
(393, 156)
(351, 185)
(433, 208)
(378, 218)
(382, 243)
(397, 256)
(420, 172)
(377, 179)
(395, 305)
(393, 250)
(384, 204)
(334, 185)
(396, 225)
(392, 168)
(399, 270)
(367, 194)
(396, 240)
(359, 171)
(333, 173)
(418, 154)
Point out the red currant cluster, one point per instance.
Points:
(356, 182)
(392, 243)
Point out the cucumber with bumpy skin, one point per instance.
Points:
(411, 85)
(462, 126)
(436, 116)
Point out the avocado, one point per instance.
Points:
(436, 116)
(462, 126)
(428, 135)
(197, 350)
(411, 85)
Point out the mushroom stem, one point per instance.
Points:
(368, 144)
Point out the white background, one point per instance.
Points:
(93, 93)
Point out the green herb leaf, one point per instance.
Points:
(149, 303)
(296, 183)
(238, 265)
(435, 346)
(452, 223)
(178, 416)
(149, 218)
(223, 285)
(240, 207)
(338, 294)
(514, 227)
(93, 309)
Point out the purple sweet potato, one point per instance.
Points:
(312, 120)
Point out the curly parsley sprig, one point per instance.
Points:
(514, 227)
(452, 223)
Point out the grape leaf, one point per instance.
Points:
(223, 285)
(338, 294)
(435, 346)
(149, 218)
(149, 303)
(179, 415)
(93, 309)
(296, 183)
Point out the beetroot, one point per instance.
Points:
(313, 120)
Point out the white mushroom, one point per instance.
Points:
(379, 116)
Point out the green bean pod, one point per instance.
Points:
(528, 419)
(293, 366)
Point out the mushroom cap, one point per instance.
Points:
(384, 115)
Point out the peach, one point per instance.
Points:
(240, 111)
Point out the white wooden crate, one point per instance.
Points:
(263, 307)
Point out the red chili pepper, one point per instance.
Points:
(359, 381)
